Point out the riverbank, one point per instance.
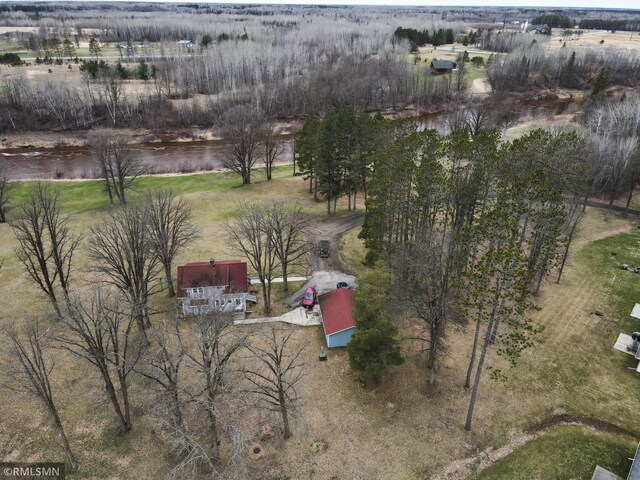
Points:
(67, 155)
(79, 138)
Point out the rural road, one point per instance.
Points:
(614, 208)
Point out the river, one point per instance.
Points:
(187, 157)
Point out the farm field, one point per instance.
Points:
(596, 39)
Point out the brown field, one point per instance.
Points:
(592, 39)
(402, 429)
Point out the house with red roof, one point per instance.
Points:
(338, 322)
(205, 287)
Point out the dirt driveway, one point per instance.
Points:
(327, 271)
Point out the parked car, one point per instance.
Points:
(310, 298)
(343, 285)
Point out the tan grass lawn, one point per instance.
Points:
(399, 430)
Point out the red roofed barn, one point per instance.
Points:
(337, 316)
(214, 285)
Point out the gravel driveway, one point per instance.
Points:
(327, 272)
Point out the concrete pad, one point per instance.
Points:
(323, 281)
(635, 313)
(298, 316)
(622, 342)
(603, 474)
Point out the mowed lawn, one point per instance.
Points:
(402, 429)
(595, 380)
(567, 453)
(82, 195)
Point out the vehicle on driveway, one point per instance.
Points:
(310, 298)
(323, 251)
(343, 285)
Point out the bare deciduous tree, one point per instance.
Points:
(456, 120)
(122, 251)
(216, 343)
(30, 372)
(241, 131)
(252, 235)
(181, 403)
(118, 164)
(45, 242)
(163, 366)
(289, 241)
(478, 116)
(101, 334)
(506, 113)
(426, 267)
(171, 229)
(111, 92)
(460, 86)
(274, 372)
(272, 147)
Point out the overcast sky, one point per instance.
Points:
(627, 4)
(474, 3)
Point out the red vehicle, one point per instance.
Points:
(310, 298)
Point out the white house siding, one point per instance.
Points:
(206, 300)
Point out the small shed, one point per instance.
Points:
(338, 323)
(440, 67)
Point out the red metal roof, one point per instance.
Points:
(231, 274)
(337, 310)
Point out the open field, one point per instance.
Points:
(398, 430)
(450, 52)
(592, 39)
(83, 195)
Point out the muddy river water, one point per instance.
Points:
(185, 157)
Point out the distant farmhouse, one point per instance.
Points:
(214, 286)
(441, 67)
(539, 29)
(131, 46)
(186, 43)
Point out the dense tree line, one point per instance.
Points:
(418, 38)
(614, 137)
(533, 67)
(456, 217)
(632, 25)
(335, 152)
(453, 217)
(254, 75)
(553, 21)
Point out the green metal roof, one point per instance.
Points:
(443, 65)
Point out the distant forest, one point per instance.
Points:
(554, 21)
(626, 25)
(418, 38)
